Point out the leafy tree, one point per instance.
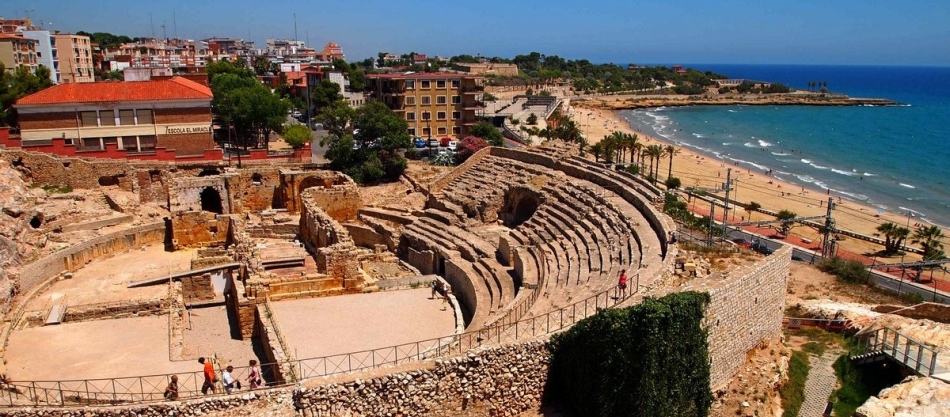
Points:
(297, 135)
(336, 119)
(325, 93)
(17, 85)
(532, 119)
(220, 67)
(357, 79)
(745, 87)
(752, 207)
(672, 183)
(929, 240)
(786, 216)
(487, 131)
(240, 101)
(376, 121)
(261, 65)
(467, 147)
(486, 97)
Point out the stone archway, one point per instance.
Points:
(211, 200)
(520, 204)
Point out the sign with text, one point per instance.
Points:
(184, 130)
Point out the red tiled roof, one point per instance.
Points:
(176, 88)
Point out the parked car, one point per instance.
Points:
(419, 142)
(296, 113)
(433, 143)
(445, 141)
(318, 126)
(453, 145)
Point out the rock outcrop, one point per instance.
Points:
(919, 397)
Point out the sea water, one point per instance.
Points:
(896, 158)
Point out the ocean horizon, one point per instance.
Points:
(891, 157)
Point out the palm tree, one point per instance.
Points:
(631, 141)
(597, 150)
(655, 152)
(671, 151)
(929, 240)
(786, 216)
(887, 229)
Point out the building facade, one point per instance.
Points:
(17, 51)
(75, 58)
(433, 104)
(46, 53)
(173, 114)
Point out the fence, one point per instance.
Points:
(113, 391)
(888, 342)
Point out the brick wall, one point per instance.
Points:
(186, 144)
(195, 229)
(192, 115)
(63, 120)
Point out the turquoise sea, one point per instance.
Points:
(896, 158)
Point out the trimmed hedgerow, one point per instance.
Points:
(651, 359)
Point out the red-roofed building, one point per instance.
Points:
(173, 115)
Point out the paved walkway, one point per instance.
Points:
(821, 382)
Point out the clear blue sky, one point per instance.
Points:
(861, 32)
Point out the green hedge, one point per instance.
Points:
(647, 360)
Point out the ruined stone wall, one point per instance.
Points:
(463, 288)
(45, 169)
(366, 237)
(745, 309)
(275, 348)
(77, 256)
(256, 188)
(186, 192)
(197, 288)
(195, 229)
(317, 228)
(335, 193)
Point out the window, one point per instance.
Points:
(411, 116)
(456, 130)
(147, 143)
(456, 115)
(106, 118)
(440, 115)
(412, 131)
(410, 100)
(126, 117)
(425, 85)
(456, 99)
(426, 115)
(410, 84)
(89, 118)
(426, 100)
(130, 143)
(91, 144)
(456, 83)
(440, 84)
(425, 132)
(442, 131)
(144, 116)
(109, 141)
(439, 99)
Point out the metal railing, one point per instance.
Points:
(136, 389)
(888, 342)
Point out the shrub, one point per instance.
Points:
(467, 147)
(444, 159)
(297, 135)
(633, 169)
(651, 359)
(531, 120)
(672, 183)
(846, 270)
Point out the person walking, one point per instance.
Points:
(254, 377)
(622, 283)
(230, 384)
(435, 289)
(446, 290)
(210, 379)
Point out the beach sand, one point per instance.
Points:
(697, 170)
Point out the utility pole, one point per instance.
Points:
(712, 223)
(164, 32)
(725, 217)
(827, 249)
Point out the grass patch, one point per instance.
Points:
(858, 383)
(793, 392)
(814, 348)
(820, 336)
(58, 189)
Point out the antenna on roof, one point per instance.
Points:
(152, 24)
(295, 26)
(164, 34)
(174, 23)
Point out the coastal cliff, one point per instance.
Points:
(627, 102)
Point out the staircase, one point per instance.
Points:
(888, 344)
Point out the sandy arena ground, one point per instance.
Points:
(349, 323)
(93, 349)
(105, 280)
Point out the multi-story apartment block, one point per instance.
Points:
(433, 104)
(15, 25)
(17, 51)
(46, 53)
(162, 53)
(75, 58)
(227, 48)
(331, 51)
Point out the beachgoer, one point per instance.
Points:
(622, 283)
(171, 392)
(210, 379)
(230, 384)
(254, 377)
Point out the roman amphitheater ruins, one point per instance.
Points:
(113, 287)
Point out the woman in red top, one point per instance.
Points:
(622, 283)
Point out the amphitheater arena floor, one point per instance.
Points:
(326, 326)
